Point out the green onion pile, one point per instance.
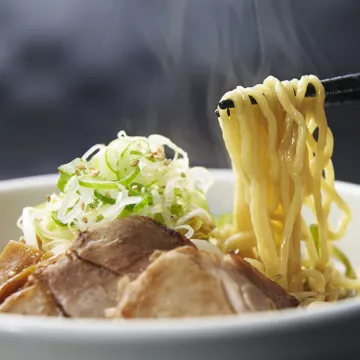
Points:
(129, 176)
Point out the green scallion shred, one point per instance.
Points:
(134, 152)
(314, 229)
(340, 256)
(146, 200)
(127, 151)
(62, 181)
(129, 178)
(99, 218)
(90, 182)
(128, 211)
(56, 220)
(104, 198)
(176, 209)
(159, 218)
(71, 167)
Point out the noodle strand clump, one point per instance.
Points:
(281, 152)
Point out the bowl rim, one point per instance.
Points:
(110, 331)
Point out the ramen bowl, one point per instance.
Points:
(329, 331)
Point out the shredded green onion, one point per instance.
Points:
(336, 252)
(97, 184)
(129, 176)
(340, 256)
(104, 198)
(55, 218)
(62, 181)
(314, 229)
(126, 180)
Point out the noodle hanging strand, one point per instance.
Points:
(281, 152)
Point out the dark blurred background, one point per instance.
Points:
(75, 72)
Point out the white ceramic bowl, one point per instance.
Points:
(330, 332)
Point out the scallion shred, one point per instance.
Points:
(130, 176)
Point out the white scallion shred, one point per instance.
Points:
(190, 230)
(28, 227)
(130, 176)
(92, 150)
(195, 213)
(205, 245)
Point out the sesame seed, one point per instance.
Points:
(82, 206)
(77, 172)
(134, 187)
(95, 173)
(182, 174)
(48, 198)
(84, 219)
(134, 163)
(80, 167)
(167, 161)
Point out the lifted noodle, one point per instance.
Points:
(281, 166)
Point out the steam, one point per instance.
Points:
(203, 49)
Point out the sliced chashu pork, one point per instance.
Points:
(32, 300)
(80, 288)
(178, 283)
(17, 262)
(125, 245)
(281, 298)
(65, 286)
(84, 282)
(186, 282)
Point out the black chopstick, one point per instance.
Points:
(338, 90)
